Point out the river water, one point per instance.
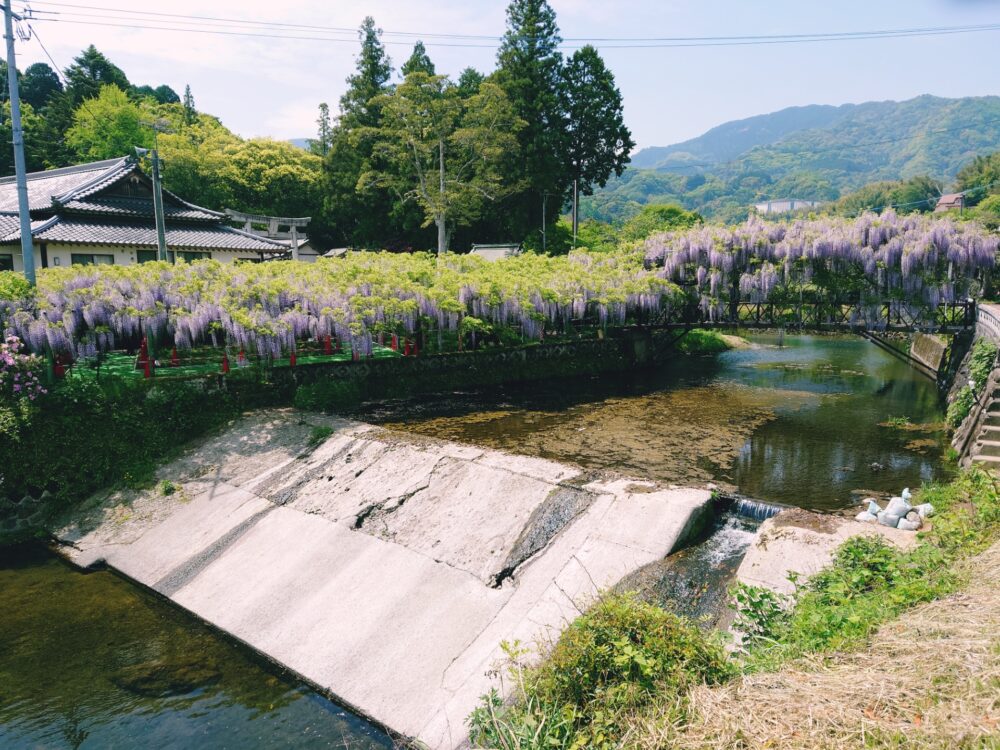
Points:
(812, 421)
(91, 661)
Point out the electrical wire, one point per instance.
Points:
(150, 20)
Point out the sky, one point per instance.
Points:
(267, 86)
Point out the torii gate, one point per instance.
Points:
(272, 223)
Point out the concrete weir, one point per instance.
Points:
(383, 568)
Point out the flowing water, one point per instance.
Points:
(91, 661)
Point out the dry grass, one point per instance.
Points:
(930, 679)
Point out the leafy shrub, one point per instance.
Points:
(959, 409)
(984, 354)
(614, 659)
(86, 435)
(328, 395)
(19, 373)
(760, 614)
(700, 341)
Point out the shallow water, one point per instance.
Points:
(92, 661)
(803, 420)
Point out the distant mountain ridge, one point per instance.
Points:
(729, 140)
(815, 152)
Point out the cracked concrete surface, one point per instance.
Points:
(385, 569)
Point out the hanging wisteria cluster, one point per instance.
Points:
(912, 261)
(270, 308)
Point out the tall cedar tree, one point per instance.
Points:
(599, 142)
(419, 62)
(89, 72)
(375, 219)
(529, 69)
(190, 113)
(324, 131)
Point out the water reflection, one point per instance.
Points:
(90, 661)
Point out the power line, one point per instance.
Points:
(150, 20)
(814, 36)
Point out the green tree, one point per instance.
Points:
(444, 153)
(981, 177)
(108, 126)
(599, 143)
(347, 217)
(658, 218)
(190, 113)
(529, 69)
(419, 62)
(89, 73)
(272, 177)
(469, 81)
(374, 68)
(39, 84)
(194, 158)
(324, 133)
(4, 83)
(35, 144)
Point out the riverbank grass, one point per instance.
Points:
(619, 694)
(702, 341)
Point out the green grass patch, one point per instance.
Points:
(319, 435)
(610, 663)
(984, 354)
(700, 341)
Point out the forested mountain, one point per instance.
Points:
(818, 153)
(729, 140)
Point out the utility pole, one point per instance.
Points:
(161, 235)
(544, 196)
(576, 221)
(27, 246)
(161, 239)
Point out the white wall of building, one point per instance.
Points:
(61, 255)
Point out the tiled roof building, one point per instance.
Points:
(103, 213)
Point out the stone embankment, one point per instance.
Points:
(385, 569)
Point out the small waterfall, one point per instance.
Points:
(755, 509)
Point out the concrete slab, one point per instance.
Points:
(797, 541)
(370, 564)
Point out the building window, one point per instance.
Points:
(89, 259)
(145, 256)
(189, 257)
(6, 262)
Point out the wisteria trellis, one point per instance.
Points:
(916, 262)
(270, 308)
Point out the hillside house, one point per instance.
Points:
(950, 202)
(784, 205)
(102, 213)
